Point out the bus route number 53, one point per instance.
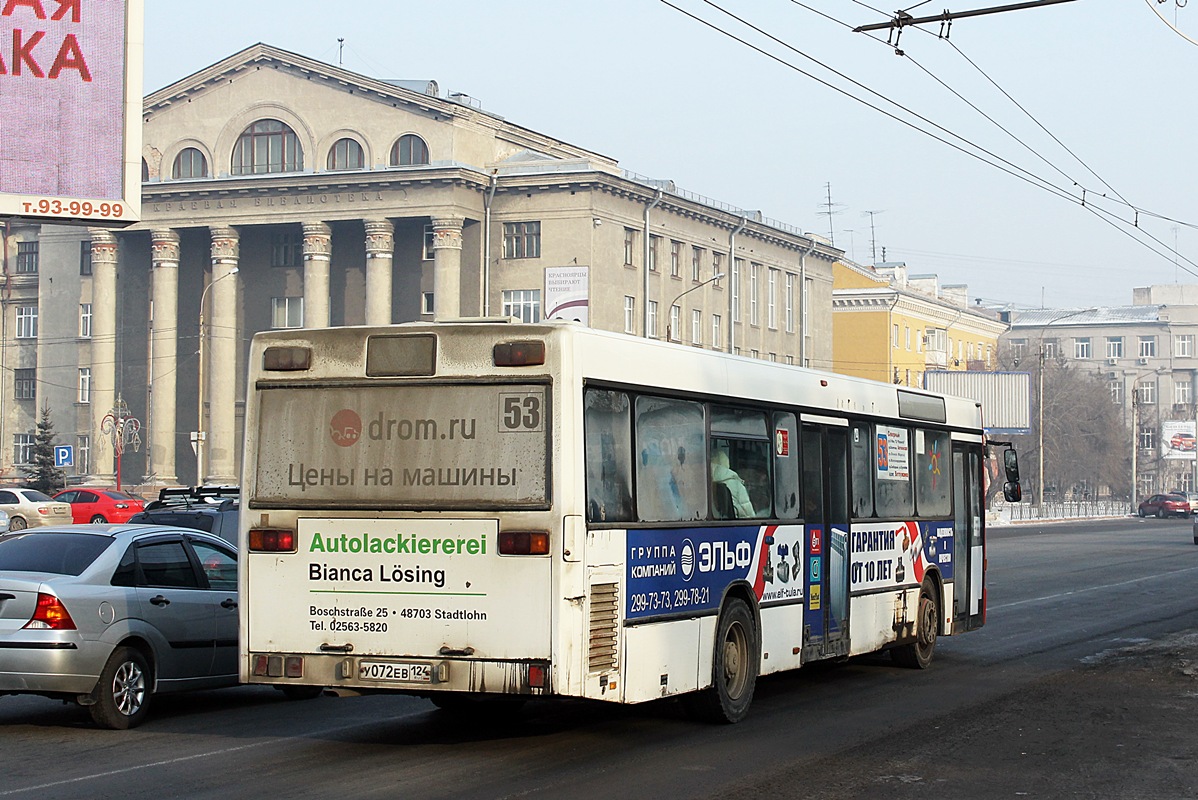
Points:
(520, 412)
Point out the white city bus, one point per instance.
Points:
(490, 511)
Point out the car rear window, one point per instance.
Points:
(34, 496)
(56, 553)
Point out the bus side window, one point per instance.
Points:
(786, 466)
(607, 420)
(933, 496)
(861, 451)
(892, 471)
(740, 462)
(671, 463)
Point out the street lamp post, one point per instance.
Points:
(673, 302)
(201, 434)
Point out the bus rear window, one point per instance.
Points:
(443, 446)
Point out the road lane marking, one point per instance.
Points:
(1090, 589)
(195, 756)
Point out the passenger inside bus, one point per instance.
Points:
(722, 476)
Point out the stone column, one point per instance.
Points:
(221, 369)
(380, 249)
(447, 267)
(103, 348)
(164, 259)
(318, 252)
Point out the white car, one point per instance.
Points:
(29, 508)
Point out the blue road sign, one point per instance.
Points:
(64, 455)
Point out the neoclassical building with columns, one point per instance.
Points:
(279, 191)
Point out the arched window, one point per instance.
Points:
(267, 146)
(346, 154)
(190, 163)
(409, 150)
(145, 171)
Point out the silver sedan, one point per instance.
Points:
(110, 615)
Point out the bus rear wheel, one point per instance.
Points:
(734, 668)
(918, 654)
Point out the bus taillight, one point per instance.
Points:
(272, 540)
(523, 543)
(519, 354)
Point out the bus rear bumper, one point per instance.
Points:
(347, 675)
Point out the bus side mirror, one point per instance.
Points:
(1010, 462)
(1013, 492)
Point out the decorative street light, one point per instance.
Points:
(124, 430)
(201, 435)
(674, 302)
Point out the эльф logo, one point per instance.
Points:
(345, 428)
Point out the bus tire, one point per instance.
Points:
(734, 668)
(918, 654)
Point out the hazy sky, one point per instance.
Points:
(1092, 96)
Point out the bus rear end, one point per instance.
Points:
(396, 512)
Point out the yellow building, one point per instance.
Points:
(891, 326)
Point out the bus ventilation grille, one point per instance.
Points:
(604, 613)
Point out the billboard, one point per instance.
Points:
(1006, 397)
(70, 110)
(567, 293)
(1177, 440)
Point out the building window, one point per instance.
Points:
(1018, 348)
(772, 357)
(717, 267)
(25, 384)
(1114, 347)
(717, 339)
(22, 450)
(653, 253)
(675, 259)
(189, 164)
(696, 326)
(85, 385)
(85, 320)
(790, 360)
(430, 243)
(521, 240)
(907, 332)
(754, 290)
(1185, 345)
(26, 258)
(267, 146)
(1147, 440)
(675, 335)
(894, 335)
(1183, 391)
(285, 248)
(771, 299)
(523, 304)
(409, 151)
(754, 353)
(651, 323)
(790, 302)
(286, 312)
(1052, 348)
(1146, 393)
(85, 258)
(1081, 347)
(83, 455)
(427, 303)
(629, 246)
(26, 322)
(346, 154)
(629, 314)
(1117, 392)
(696, 264)
(1147, 347)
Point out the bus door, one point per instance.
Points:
(826, 516)
(968, 551)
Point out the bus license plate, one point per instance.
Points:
(395, 671)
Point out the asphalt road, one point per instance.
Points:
(1076, 687)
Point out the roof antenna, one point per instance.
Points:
(340, 48)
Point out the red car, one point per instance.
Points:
(1165, 505)
(100, 505)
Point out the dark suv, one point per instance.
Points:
(206, 508)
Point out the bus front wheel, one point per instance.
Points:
(734, 668)
(918, 654)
